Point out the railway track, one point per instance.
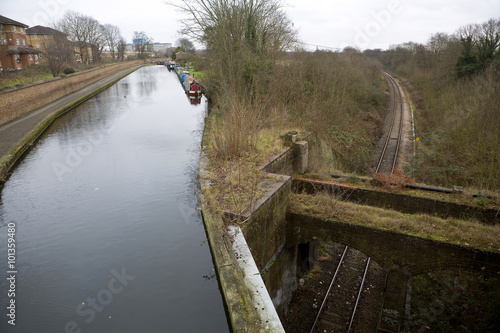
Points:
(348, 289)
(388, 158)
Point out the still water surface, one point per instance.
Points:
(108, 237)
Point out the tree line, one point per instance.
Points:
(468, 51)
(257, 79)
(454, 80)
(82, 37)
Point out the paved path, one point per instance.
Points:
(15, 131)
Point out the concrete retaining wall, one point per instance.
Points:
(412, 254)
(280, 164)
(402, 203)
(265, 234)
(18, 102)
(248, 304)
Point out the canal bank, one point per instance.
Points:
(108, 234)
(18, 135)
(279, 258)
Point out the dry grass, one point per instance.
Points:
(461, 232)
(457, 123)
(238, 182)
(490, 200)
(234, 186)
(326, 93)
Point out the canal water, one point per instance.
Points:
(107, 231)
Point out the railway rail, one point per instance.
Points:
(340, 304)
(388, 158)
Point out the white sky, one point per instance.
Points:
(333, 23)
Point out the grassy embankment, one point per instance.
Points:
(338, 97)
(457, 118)
(470, 197)
(33, 74)
(455, 231)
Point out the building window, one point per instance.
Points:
(36, 36)
(44, 36)
(18, 59)
(15, 28)
(31, 57)
(22, 29)
(37, 46)
(36, 57)
(24, 42)
(17, 42)
(3, 41)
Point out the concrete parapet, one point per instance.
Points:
(412, 254)
(301, 156)
(240, 304)
(249, 306)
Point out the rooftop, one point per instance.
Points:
(6, 20)
(41, 30)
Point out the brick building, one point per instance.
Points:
(40, 37)
(15, 50)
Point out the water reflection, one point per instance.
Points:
(110, 190)
(147, 82)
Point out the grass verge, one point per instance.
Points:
(489, 199)
(461, 232)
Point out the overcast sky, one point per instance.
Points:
(327, 23)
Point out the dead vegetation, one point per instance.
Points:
(461, 232)
(393, 182)
(454, 82)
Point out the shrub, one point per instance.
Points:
(69, 71)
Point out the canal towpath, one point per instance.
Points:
(16, 134)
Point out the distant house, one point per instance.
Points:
(40, 37)
(180, 55)
(15, 50)
(161, 47)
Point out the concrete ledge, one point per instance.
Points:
(253, 281)
(241, 310)
(248, 304)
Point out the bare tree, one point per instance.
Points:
(86, 33)
(242, 37)
(141, 41)
(438, 42)
(112, 37)
(186, 45)
(58, 52)
(75, 26)
(96, 39)
(120, 48)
